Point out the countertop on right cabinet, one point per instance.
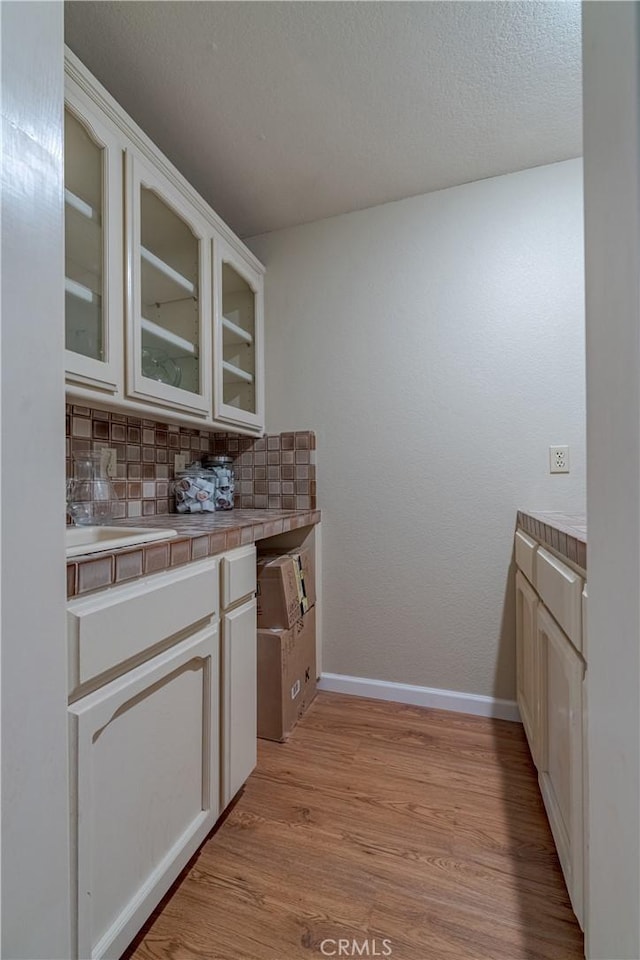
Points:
(564, 532)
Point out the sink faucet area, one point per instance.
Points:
(91, 539)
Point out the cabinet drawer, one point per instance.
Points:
(560, 590)
(525, 552)
(112, 627)
(238, 575)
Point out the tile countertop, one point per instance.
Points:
(566, 533)
(199, 536)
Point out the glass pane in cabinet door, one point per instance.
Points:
(170, 309)
(83, 173)
(238, 341)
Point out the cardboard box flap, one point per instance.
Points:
(278, 592)
(305, 572)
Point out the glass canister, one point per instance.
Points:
(91, 496)
(225, 480)
(195, 490)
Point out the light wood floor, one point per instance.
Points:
(379, 821)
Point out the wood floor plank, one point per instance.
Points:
(445, 827)
(377, 822)
(390, 864)
(406, 773)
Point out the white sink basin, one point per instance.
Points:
(92, 539)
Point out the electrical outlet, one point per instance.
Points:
(109, 461)
(559, 459)
(180, 462)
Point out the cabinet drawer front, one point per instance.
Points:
(238, 575)
(525, 551)
(561, 591)
(112, 627)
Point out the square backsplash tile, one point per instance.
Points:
(276, 471)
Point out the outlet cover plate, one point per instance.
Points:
(559, 459)
(180, 462)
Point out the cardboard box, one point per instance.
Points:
(305, 573)
(286, 676)
(305, 560)
(278, 593)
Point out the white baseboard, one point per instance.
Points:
(421, 696)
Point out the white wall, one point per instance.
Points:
(35, 818)
(612, 225)
(436, 345)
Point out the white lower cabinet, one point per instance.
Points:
(239, 713)
(163, 731)
(528, 662)
(239, 698)
(560, 758)
(551, 647)
(145, 760)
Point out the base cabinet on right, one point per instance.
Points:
(551, 664)
(560, 760)
(528, 662)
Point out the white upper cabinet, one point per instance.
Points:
(168, 294)
(164, 311)
(238, 353)
(93, 247)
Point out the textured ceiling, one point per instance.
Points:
(283, 113)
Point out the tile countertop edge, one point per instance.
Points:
(197, 539)
(565, 533)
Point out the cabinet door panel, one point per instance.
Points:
(239, 708)
(145, 752)
(238, 355)
(169, 315)
(560, 768)
(528, 663)
(93, 247)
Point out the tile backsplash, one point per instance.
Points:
(276, 471)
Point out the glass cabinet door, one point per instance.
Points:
(238, 372)
(169, 305)
(93, 228)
